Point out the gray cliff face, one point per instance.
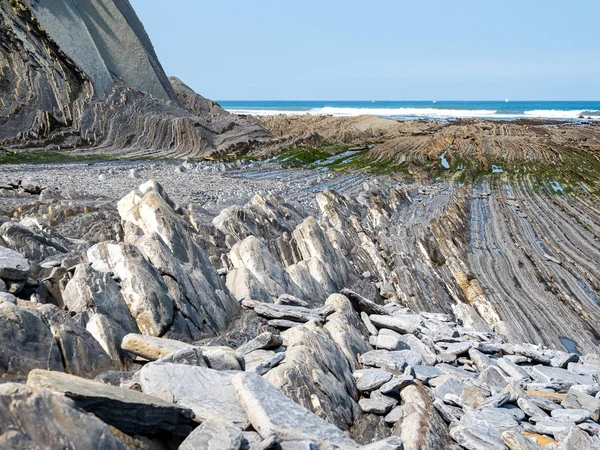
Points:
(106, 40)
(83, 74)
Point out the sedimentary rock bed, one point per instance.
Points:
(405, 316)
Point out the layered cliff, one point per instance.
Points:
(80, 74)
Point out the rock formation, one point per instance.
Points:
(372, 324)
(85, 75)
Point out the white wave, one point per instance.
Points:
(267, 112)
(562, 114)
(423, 112)
(405, 112)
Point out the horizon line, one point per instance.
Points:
(380, 100)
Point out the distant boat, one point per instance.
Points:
(435, 101)
(506, 100)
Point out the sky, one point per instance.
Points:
(380, 49)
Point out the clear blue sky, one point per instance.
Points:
(379, 49)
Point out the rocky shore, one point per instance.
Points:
(276, 324)
(353, 283)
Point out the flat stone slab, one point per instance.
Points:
(571, 415)
(130, 411)
(35, 418)
(547, 374)
(405, 324)
(581, 400)
(207, 392)
(372, 379)
(399, 359)
(477, 437)
(272, 412)
(150, 347)
(13, 266)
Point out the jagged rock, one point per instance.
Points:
(495, 418)
(370, 428)
(396, 383)
(205, 391)
(213, 436)
(64, 425)
(553, 374)
(129, 411)
(272, 413)
(203, 304)
(346, 329)
(97, 296)
(571, 415)
(26, 342)
(317, 375)
(81, 354)
(531, 409)
(421, 426)
(142, 287)
(370, 327)
(189, 356)
(363, 304)
(580, 440)
(223, 358)
(286, 299)
(512, 369)
(8, 298)
(284, 312)
(257, 274)
(263, 367)
(388, 342)
(12, 265)
(516, 441)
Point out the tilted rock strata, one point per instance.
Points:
(361, 361)
(101, 86)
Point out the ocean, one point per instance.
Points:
(502, 110)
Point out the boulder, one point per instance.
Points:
(207, 392)
(422, 426)
(581, 400)
(142, 286)
(150, 347)
(26, 342)
(130, 411)
(273, 413)
(97, 297)
(82, 355)
(317, 375)
(63, 424)
(13, 266)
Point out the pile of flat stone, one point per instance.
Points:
(492, 394)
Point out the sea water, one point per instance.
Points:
(557, 110)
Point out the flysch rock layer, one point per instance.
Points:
(338, 358)
(84, 74)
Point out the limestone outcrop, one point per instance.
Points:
(373, 323)
(84, 75)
